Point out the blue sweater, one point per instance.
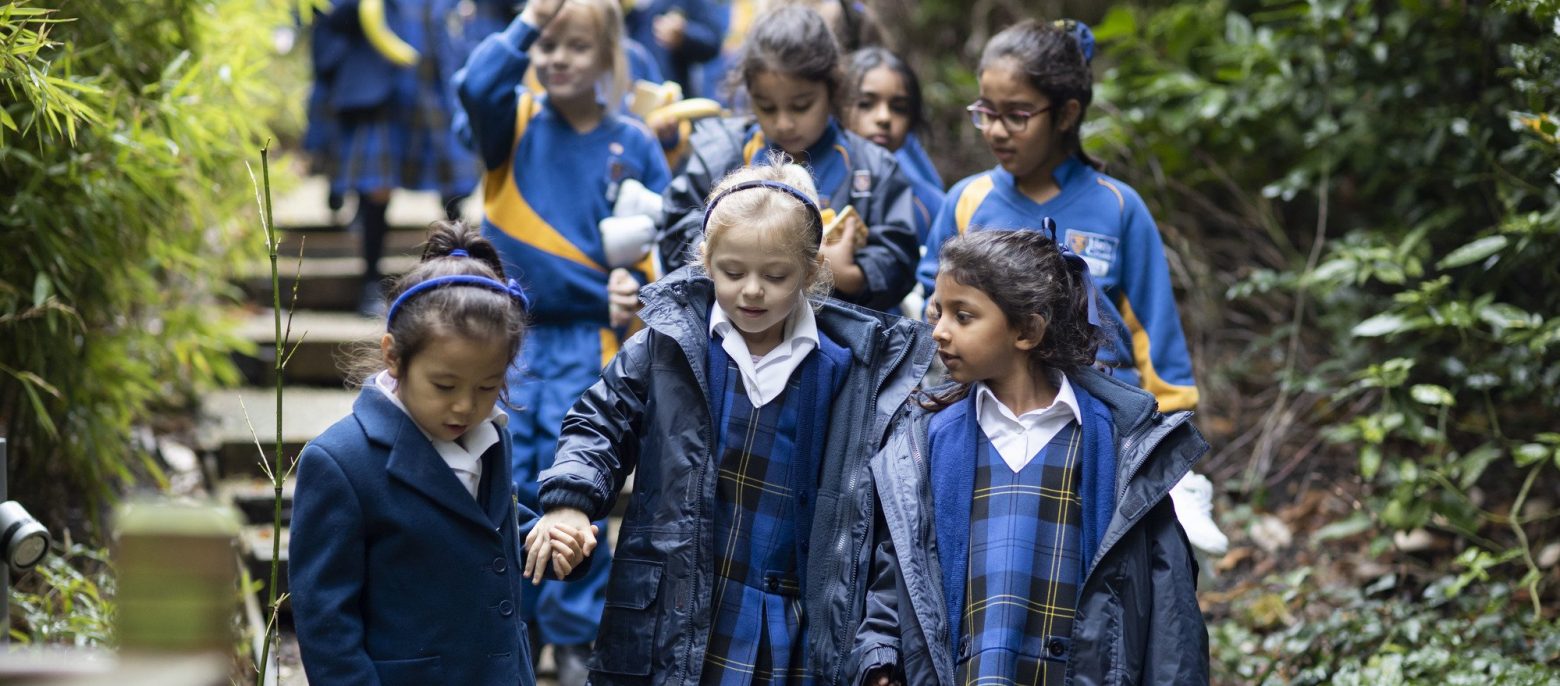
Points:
(547, 186)
(1103, 220)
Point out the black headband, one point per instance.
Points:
(812, 207)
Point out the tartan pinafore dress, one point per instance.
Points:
(1025, 565)
(767, 465)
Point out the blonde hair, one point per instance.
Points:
(775, 212)
(608, 15)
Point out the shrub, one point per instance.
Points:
(1363, 204)
(125, 126)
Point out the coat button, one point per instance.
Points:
(506, 608)
(964, 646)
(1056, 647)
(500, 565)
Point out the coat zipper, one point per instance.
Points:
(851, 487)
(1130, 446)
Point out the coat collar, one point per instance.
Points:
(678, 305)
(413, 461)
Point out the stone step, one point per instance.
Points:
(305, 207)
(325, 344)
(324, 283)
(255, 498)
(225, 433)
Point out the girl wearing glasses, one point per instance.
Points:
(792, 74)
(1035, 88)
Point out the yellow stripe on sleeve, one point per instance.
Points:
(969, 200)
(1170, 396)
(754, 146)
(507, 210)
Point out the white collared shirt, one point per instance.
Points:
(463, 455)
(765, 377)
(1018, 438)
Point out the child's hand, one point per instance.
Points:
(840, 247)
(571, 547)
(541, 543)
(539, 12)
(622, 297)
(670, 29)
(882, 676)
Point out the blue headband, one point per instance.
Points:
(1078, 264)
(812, 207)
(511, 289)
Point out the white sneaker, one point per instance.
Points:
(1193, 498)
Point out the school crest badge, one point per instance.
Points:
(861, 184)
(1098, 250)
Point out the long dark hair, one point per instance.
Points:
(1024, 274)
(1053, 59)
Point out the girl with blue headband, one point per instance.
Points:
(1024, 536)
(405, 556)
(746, 412)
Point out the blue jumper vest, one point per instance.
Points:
(1025, 565)
(767, 462)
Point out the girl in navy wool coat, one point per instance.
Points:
(746, 412)
(1025, 533)
(405, 557)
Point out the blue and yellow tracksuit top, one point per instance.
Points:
(1104, 221)
(547, 186)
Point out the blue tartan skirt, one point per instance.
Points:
(409, 144)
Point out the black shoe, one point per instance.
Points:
(372, 303)
(571, 661)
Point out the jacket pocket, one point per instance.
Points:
(628, 622)
(423, 670)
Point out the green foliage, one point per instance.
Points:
(1333, 635)
(127, 126)
(1384, 179)
(69, 599)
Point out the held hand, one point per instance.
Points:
(539, 12)
(570, 547)
(622, 297)
(670, 30)
(540, 545)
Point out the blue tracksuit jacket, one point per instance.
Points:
(1103, 220)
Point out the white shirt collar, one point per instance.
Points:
(765, 378)
(464, 457)
(1018, 438)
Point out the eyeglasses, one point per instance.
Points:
(1012, 120)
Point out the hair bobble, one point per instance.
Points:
(813, 212)
(459, 252)
(1081, 33)
(1076, 263)
(511, 289)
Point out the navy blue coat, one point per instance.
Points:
(1137, 620)
(650, 415)
(398, 575)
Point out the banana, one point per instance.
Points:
(684, 110)
(371, 14)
